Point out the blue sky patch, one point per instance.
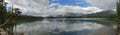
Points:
(81, 3)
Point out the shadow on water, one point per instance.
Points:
(8, 29)
(82, 32)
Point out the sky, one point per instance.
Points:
(57, 7)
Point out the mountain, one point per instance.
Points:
(102, 14)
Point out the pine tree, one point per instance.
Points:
(118, 8)
(2, 11)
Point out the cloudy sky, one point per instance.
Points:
(55, 7)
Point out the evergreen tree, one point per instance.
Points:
(118, 8)
(17, 11)
(2, 11)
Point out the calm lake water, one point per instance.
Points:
(66, 26)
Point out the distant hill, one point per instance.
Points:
(102, 14)
(67, 14)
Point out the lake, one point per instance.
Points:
(65, 26)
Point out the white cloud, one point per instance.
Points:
(104, 4)
(63, 9)
(31, 7)
(42, 8)
(78, 9)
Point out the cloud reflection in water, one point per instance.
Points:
(59, 27)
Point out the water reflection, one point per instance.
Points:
(64, 27)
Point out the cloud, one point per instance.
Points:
(77, 9)
(43, 8)
(64, 9)
(103, 4)
(30, 7)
